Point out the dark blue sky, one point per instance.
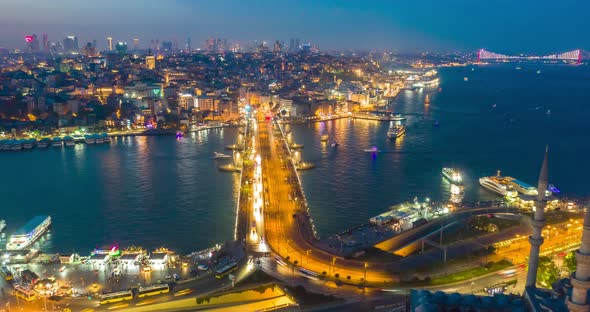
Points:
(506, 26)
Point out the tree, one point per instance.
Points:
(548, 272)
(569, 261)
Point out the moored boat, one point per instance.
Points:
(29, 144)
(29, 233)
(105, 137)
(89, 139)
(44, 142)
(16, 145)
(98, 138)
(57, 142)
(69, 141)
(452, 175)
(395, 132)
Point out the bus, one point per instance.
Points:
(25, 293)
(153, 290)
(6, 273)
(116, 297)
(308, 274)
(226, 269)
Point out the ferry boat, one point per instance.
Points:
(498, 184)
(217, 155)
(395, 132)
(29, 143)
(44, 142)
(29, 233)
(523, 188)
(324, 138)
(98, 138)
(78, 138)
(69, 141)
(452, 175)
(397, 117)
(16, 145)
(89, 139)
(105, 137)
(57, 142)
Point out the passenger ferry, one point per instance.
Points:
(217, 155)
(69, 141)
(105, 137)
(498, 184)
(89, 139)
(523, 188)
(452, 175)
(395, 132)
(57, 142)
(44, 142)
(29, 143)
(29, 233)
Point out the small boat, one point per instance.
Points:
(44, 143)
(372, 150)
(518, 68)
(494, 105)
(4, 144)
(16, 145)
(57, 142)
(179, 134)
(78, 138)
(397, 117)
(538, 72)
(105, 137)
(69, 141)
(98, 138)
(29, 144)
(548, 112)
(89, 139)
(395, 132)
(436, 123)
(217, 155)
(324, 138)
(465, 78)
(427, 99)
(334, 143)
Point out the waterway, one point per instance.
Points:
(144, 191)
(160, 191)
(348, 186)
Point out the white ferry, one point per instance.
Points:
(498, 184)
(29, 233)
(217, 155)
(395, 132)
(452, 175)
(524, 188)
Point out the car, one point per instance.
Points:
(194, 273)
(203, 267)
(176, 277)
(147, 269)
(185, 264)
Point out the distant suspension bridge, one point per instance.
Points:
(574, 56)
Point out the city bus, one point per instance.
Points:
(25, 293)
(153, 290)
(308, 274)
(6, 273)
(116, 297)
(226, 269)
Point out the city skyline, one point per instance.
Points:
(401, 26)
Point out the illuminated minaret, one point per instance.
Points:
(580, 279)
(538, 221)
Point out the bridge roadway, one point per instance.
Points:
(288, 231)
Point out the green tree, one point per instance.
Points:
(569, 261)
(548, 272)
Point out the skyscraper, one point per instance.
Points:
(45, 43)
(135, 43)
(110, 43)
(150, 62)
(70, 44)
(188, 44)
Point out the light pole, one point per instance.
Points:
(307, 255)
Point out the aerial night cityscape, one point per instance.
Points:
(328, 155)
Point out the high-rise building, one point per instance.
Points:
(70, 44)
(150, 62)
(121, 47)
(188, 46)
(135, 43)
(110, 43)
(45, 43)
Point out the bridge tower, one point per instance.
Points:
(538, 221)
